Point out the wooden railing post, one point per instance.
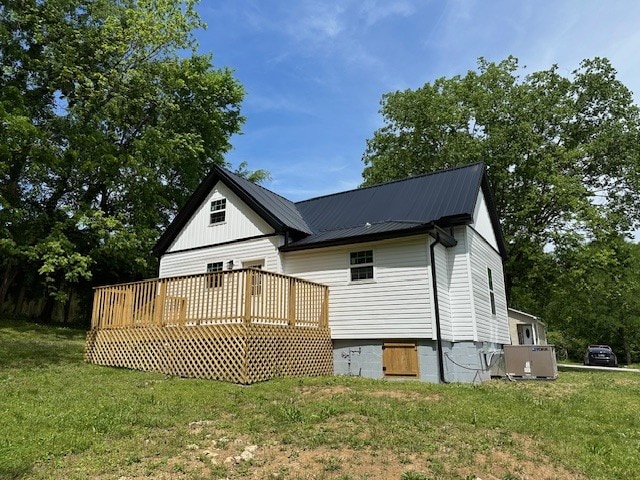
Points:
(291, 316)
(248, 285)
(98, 308)
(160, 302)
(324, 320)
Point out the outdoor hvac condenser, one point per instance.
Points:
(530, 362)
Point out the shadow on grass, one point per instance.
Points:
(29, 345)
(13, 473)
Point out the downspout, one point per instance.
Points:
(437, 308)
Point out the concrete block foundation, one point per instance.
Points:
(464, 362)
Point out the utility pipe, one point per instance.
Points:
(436, 307)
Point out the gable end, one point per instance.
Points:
(285, 219)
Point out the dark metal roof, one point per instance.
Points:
(284, 212)
(403, 207)
(277, 211)
(444, 198)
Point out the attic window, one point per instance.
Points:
(218, 211)
(361, 265)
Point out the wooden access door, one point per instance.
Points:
(400, 359)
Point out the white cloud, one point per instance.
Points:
(373, 11)
(277, 102)
(315, 71)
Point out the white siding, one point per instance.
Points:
(240, 222)
(195, 261)
(490, 328)
(482, 221)
(461, 300)
(443, 279)
(395, 305)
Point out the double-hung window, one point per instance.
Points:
(215, 277)
(256, 277)
(218, 211)
(361, 265)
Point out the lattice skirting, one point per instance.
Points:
(236, 353)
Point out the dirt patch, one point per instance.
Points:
(499, 465)
(328, 392)
(400, 395)
(231, 458)
(204, 450)
(325, 392)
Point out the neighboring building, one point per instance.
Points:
(526, 329)
(414, 267)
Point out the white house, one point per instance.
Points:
(414, 267)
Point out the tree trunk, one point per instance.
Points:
(67, 307)
(46, 315)
(17, 308)
(625, 345)
(8, 277)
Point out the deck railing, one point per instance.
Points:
(235, 296)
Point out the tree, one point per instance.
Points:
(562, 154)
(106, 126)
(596, 297)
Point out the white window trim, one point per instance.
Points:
(215, 282)
(372, 265)
(256, 281)
(211, 202)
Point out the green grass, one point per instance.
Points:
(62, 418)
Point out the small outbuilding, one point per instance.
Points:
(526, 329)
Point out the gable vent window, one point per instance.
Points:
(492, 296)
(214, 280)
(361, 265)
(218, 211)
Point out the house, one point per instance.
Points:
(526, 329)
(414, 267)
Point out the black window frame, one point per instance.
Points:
(361, 265)
(216, 268)
(218, 211)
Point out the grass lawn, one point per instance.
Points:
(61, 418)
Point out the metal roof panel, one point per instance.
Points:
(421, 199)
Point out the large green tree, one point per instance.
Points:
(596, 297)
(108, 120)
(562, 152)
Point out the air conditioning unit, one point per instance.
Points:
(530, 362)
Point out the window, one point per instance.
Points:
(218, 210)
(214, 280)
(361, 265)
(492, 296)
(256, 277)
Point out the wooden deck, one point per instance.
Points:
(241, 326)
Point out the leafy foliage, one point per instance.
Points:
(596, 298)
(106, 126)
(562, 154)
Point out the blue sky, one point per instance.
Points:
(315, 71)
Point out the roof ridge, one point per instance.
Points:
(258, 185)
(422, 175)
(283, 210)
